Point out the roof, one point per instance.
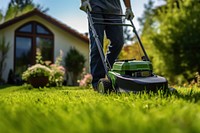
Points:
(49, 19)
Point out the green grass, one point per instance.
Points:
(71, 110)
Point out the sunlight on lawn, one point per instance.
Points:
(71, 109)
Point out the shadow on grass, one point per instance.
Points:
(190, 96)
(5, 86)
(29, 87)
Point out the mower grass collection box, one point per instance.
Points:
(132, 75)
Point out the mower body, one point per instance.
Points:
(134, 76)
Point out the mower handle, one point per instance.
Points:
(107, 23)
(111, 14)
(120, 24)
(91, 22)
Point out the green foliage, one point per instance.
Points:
(74, 62)
(76, 110)
(26, 4)
(39, 57)
(197, 79)
(4, 48)
(1, 16)
(20, 3)
(174, 40)
(131, 52)
(147, 19)
(18, 7)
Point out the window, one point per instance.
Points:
(41, 30)
(26, 28)
(45, 46)
(28, 38)
(23, 52)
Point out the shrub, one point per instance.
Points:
(4, 48)
(36, 70)
(198, 79)
(74, 62)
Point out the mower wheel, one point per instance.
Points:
(104, 86)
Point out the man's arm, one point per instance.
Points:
(127, 3)
(129, 13)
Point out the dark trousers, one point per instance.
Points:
(114, 34)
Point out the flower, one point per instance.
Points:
(57, 75)
(86, 81)
(86, 78)
(36, 71)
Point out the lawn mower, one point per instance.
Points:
(129, 75)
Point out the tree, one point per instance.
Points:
(74, 62)
(133, 50)
(4, 48)
(23, 4)
(18, 7)
(175, 38)
(1, 16)
(146, 21)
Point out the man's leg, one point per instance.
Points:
(115, 35)
(96, 65)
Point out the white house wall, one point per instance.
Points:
(9, 38)
(62, 41)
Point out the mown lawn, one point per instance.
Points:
(72, 110)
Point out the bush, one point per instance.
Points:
(171, 36)
(74, 62)
(36, 70)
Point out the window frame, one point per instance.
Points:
(33, 35)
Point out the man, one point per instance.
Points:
(113, 33)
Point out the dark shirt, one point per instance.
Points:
(109, 6)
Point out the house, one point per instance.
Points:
(35, 29)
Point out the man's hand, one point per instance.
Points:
(85, 5)
(129, 14)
